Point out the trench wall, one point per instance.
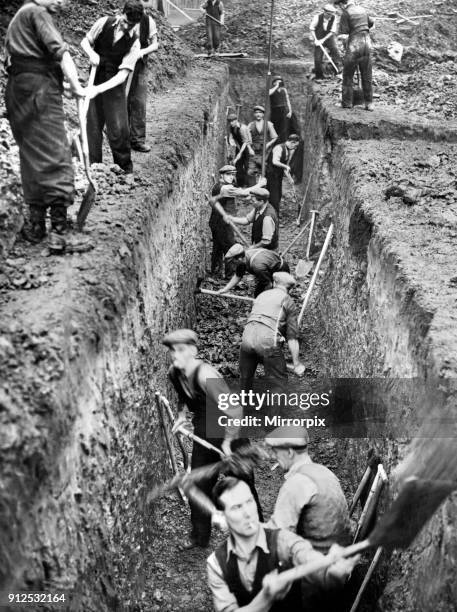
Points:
(80, 440)
(382, 315)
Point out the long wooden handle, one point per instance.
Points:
(367, 578)
(200, 441)
(311, 231)
(300, 571)
(300, 233)
(171, 416)
(232, 225)
(328, 56)
(216, 20)
(316, 272)
(231, 296)
(360, 488)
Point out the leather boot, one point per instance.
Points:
(35, 226)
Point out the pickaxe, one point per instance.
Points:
(232, 296)
(232, 225)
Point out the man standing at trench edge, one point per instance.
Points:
(113, 47)
(37, 59)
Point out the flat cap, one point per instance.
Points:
(284, 278)
(293, 138)
(260, 192)
(277, 77)
(234, 251)
(292, 436)
(259, 108)
(180, 336)
(226, 169)
(329, 8)
(231, 117)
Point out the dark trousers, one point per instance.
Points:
(201, 521)
(35, 112)
(213, 35)
(110, 109)
(264, 276)
(274, 186)
(280, 120)
(358, 54)
(223, 239)
(332, 48)
(137, 104)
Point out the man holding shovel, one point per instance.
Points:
(214, 11)
(280, 166)
(243, 571)
(113, 47)
(37, 61)
(198, 385)
(323, 30)
(356, 23)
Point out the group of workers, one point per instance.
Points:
(310, 518)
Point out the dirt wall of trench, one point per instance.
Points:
(386, 308)
(81, 357)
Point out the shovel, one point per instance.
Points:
(91, 191)
(231, 296)
(304, 267)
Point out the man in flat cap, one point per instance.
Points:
(223, 205)
(198, 385)
(356, 23)
(280, 107)
(239, 139)
(256, 131)
(244, 573)
(260, 262)
(264, 220)
(273, 320)
(323, 30)
(311, 501)
(280, 166)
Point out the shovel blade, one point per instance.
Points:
(86, 204)
(414, 506)
(303, 268)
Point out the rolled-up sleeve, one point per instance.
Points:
(223, 599)
(129, 60)
(313, 24)
(268, 229)
(291, 319)
(49, 36)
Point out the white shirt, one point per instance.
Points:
(129, 60)
(315, 21)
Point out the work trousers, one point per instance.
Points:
(264, 275)
(110, 109)
(242, 166)
(274, 186)
(35, 112)
(280, 120)
(137, 104)
(223, 240)
(201, 521)
(258, 346)
(332, 48)
(358, 54)
(213, 35)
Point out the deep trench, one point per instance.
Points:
(116, 551)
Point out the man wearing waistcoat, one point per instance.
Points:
(272, 321)
(265, 226)
(137, 98)
(223, 197)
(239, 137)
(214, 11)
(112, 45)
(311, 501)
(37, 60)
(260, 262)
(256, 131)
(323, 30)
(356, 23)
(278, 166)
(197, 385)
(243, 571)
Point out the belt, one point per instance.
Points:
(20, 64)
